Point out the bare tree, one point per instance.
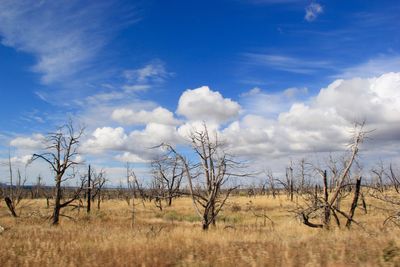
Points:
(271, 182)
(99, 180)
(168, 173)
(60, 153)
(326, 205)
(385, 190)
(133, 188)
(14, 195)
(89, 190)
(214, 170)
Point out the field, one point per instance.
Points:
(173, 237)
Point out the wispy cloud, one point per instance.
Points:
(154, 72)
(63, 37)
(287, 63)
(313, 10)
(274, 2)
(372, 67)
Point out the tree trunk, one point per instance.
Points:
(170, 200)
(206, 223)
(354, 204)
(98, 200)
(89, 192)
(57, 206)
(291, 190)
(10, 206)
(327, 210)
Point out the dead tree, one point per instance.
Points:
(214, 170)
(60, 153)
(14, 195)
(89, 190)
(387, 193)
(157, 192)
(271, 182)
(290, 181)
(378, 174)
(132, 184)
(326, 205)
(168, 173)
(99, 180)
(36, 191)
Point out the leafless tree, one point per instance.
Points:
(157, 192)
(168, 173)
(60, 153)
(133, 185)
(215, 168)
(289, 183)
(99, 180)
(326, 205)
(14, 195)
(271, 182)
(386, 192)
(89, 190)
(378, 175)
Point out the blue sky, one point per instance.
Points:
(87, 59)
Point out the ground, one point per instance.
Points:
(173, 237)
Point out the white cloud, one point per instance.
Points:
(158, 115)
(136, 88)
(152, 72)
(257, 101)
(271, 126)
(21, 160)
(152, 135)
(64, 37)
(313, 10)
(190, 127)
(28, 143)
(130, 157)
(202, 104)
(137, 142)
(372, 67)
(273, 2)
(252, 92)
(321, 123)
(104, 139)
(287, 63)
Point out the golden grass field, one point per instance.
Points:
(173, 237)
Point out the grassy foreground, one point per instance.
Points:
(173, 237)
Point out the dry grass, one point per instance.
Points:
(173, 238)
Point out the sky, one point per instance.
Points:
(277, 79)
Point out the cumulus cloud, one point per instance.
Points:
(105, 138)
(203, 104)
(130, 157)
(21, 160)
(313, 10)
(322, 123)
(158, 115)
(257, 101)
(190, 127)
(270, 126)
(136, 145)
(28, 143)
